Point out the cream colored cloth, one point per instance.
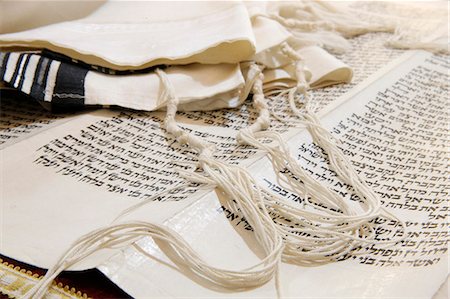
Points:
(323, 68)
(216, 86)
(62, 83)
(123, 36)
(18, 16)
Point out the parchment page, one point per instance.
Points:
(394, 131)
(80, 175)
(396, 134)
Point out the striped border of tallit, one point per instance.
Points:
(44, 79)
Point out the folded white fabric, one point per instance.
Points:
(323, 69)
(63, 83)
(123, 36)
(198, 86)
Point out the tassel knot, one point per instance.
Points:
(301, 87)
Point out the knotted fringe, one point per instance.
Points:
(121, 235)
(324, 229)
(328, 24)
(405, 44)
(418, 26)
(323, 24)
(327, 226)
(234, 181)
(329, 17)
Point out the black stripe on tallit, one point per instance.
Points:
(17, 69)
(4, 61)
(40, 79)
(69, 85)
(22, 75)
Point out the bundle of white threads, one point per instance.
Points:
(328, 24)
(328, 226)
(122, 235)
(234, 181)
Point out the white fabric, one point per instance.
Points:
(269, 35)
(323, 68)
(219, 85)
(123, 36)
(24, 15)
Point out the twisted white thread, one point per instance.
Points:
(121, 235)
(326, 227)
(325, 23)
(320, 15)
(235, 181)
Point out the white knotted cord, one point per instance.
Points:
(320, 15)
(182, 255)
(323, 24)
(234, 181)
(327, 226)
(404, 44)
(328, 25)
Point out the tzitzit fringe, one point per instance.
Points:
(121, 235)
(234, 181)
(328, 24)
(327, 226)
